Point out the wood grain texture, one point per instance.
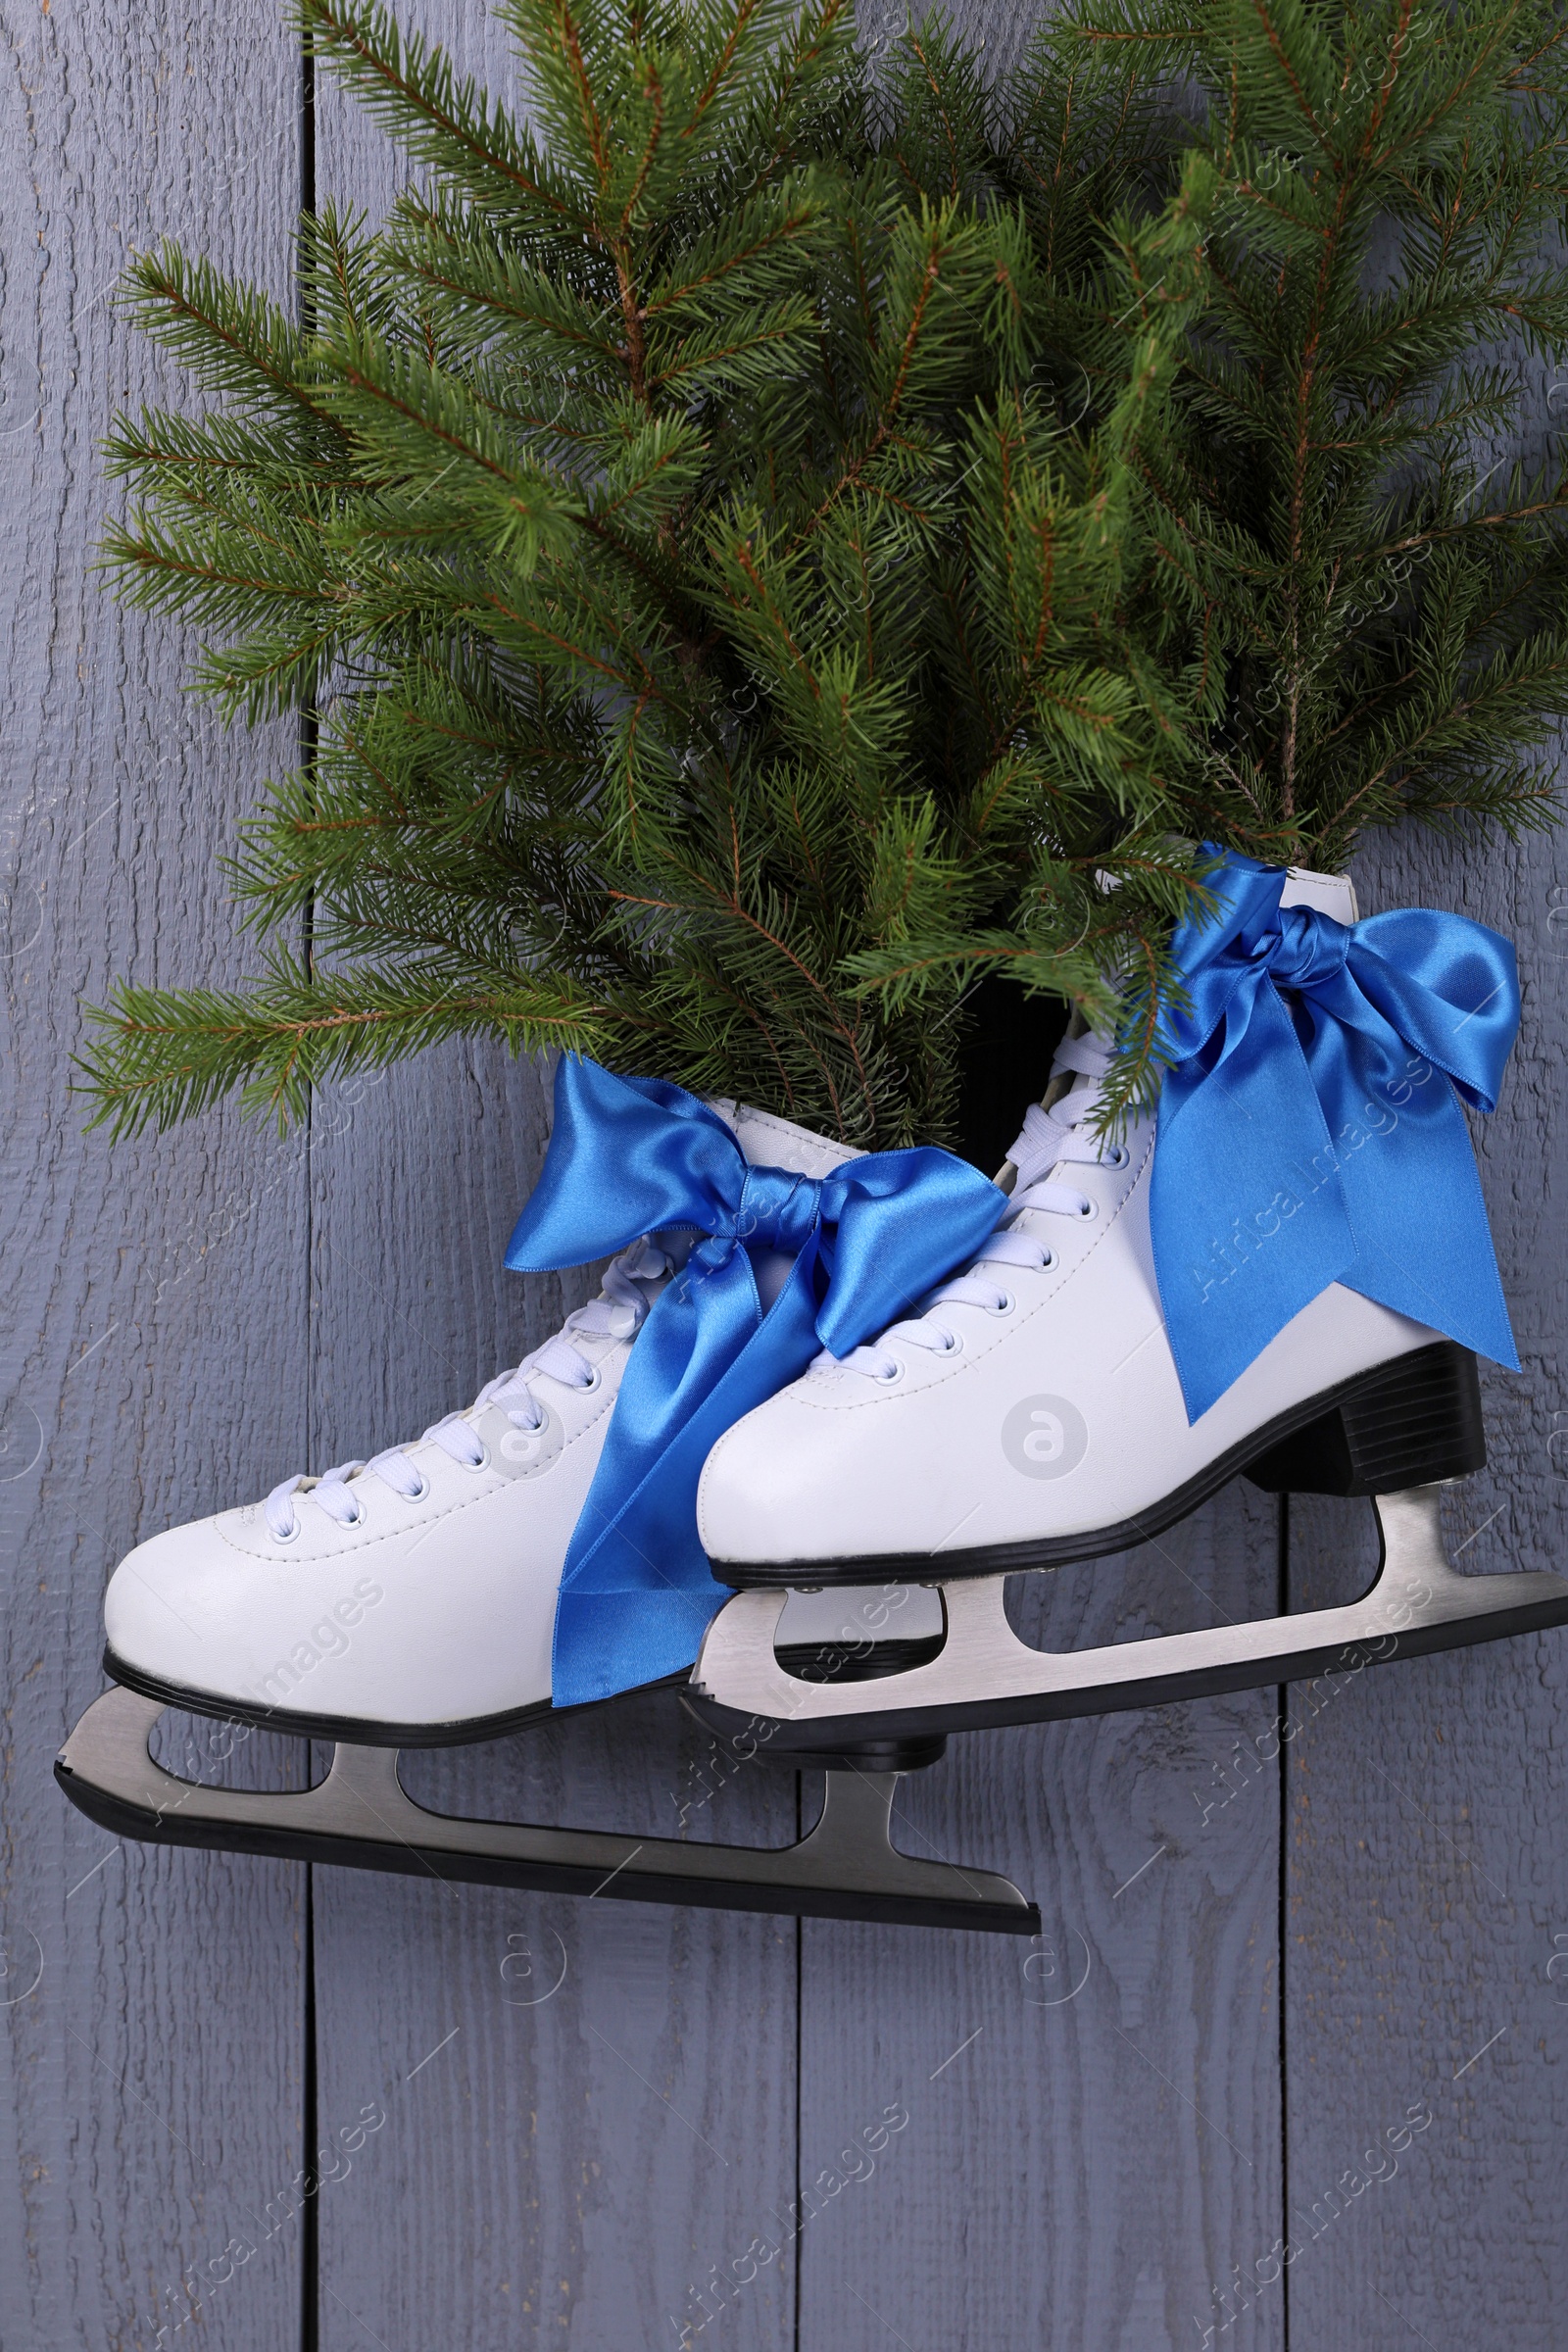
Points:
(604, 2125)
(565, 2172)
(153, 1351)
(1428, 1888)
(1094, 2123)
(589, 2150)
(596, 2086)
(1085, 2171)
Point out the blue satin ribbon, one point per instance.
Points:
(1308, 1131)
(635, 1155)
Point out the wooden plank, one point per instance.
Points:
(1092, 2125)
(153, 1353)
(569, 2160)
(1081, 2171)
(586, 2106)
(560, 2169)
(1428, 1870)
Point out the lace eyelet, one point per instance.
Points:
(359, 1515)
(1089, 1211)
(1005, 1304)
(586, 1388)
(955, 1345)
(290, 1534)
(894, 1372)
(1047, 1259)
(483, 1463)
(1116, 1157)
(418, 1493)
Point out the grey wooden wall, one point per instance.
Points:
(1282, 1929)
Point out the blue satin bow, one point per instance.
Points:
(1308, 1131)
(636, 1155)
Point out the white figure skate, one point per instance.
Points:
(409, 1602)
(1033, 1415)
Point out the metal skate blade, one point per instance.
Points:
(985, 1675)
(361, 1818)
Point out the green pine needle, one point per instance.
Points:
(767, 545)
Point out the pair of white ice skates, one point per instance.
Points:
(1027, 1413)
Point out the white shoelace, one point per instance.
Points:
(1050, 1139)
(617, 1314)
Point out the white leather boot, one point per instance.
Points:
(1032, 1412)
(410, 1599)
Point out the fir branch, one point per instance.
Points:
(770, 547)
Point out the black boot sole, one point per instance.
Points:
(1411, 1422)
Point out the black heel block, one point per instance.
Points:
(1408, 1424)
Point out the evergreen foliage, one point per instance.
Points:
(703, 600)
(1359, 475)
(761, 552)
(1367, 474)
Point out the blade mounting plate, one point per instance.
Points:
(362, 1818)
